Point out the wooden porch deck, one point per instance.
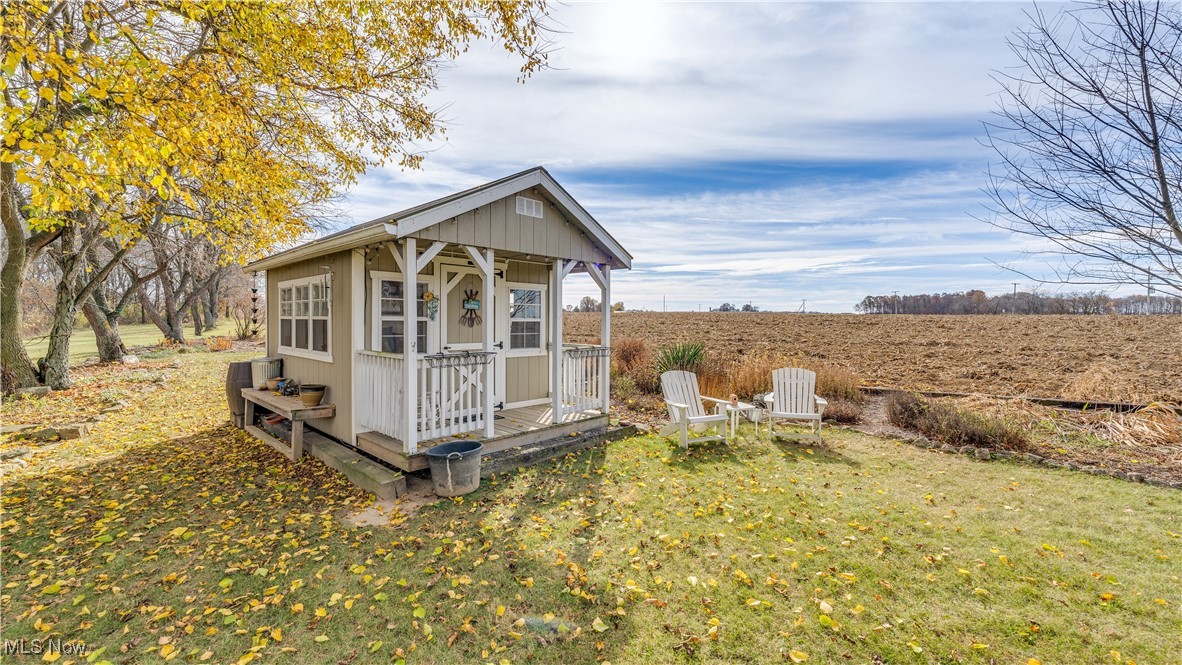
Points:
(511, 428)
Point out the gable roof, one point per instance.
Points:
(415, 219)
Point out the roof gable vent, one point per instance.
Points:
(529, 207)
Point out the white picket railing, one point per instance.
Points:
(379, 393)
(450, 393)
(584, 373)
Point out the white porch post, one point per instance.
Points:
(605, 338)
(483, 260)
(603, 277)
(557, 272)
(357, 333)
(410, 352)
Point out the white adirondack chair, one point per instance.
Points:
(793, 398)
(687, 411)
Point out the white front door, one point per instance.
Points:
(463, 314)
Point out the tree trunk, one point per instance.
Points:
(210, 305)
(106, 334)
(16, 370)
(57, 358)
(195, 312)
(172, 333)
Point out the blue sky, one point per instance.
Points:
(747, 152)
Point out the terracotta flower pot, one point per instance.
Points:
(311, 393)
(273, 383)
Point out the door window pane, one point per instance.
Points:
(525, 335)
(392, 336)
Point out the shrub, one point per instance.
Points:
(686, 356)
(841, 410)
(624, 387)
(632, 358)
(944, 422)
(835, 383)
(630, 353)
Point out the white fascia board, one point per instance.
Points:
(314, 248)
(428, 218)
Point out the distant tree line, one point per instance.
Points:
(1022, 302)
(589, 304)
(727, 307)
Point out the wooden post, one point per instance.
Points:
(410, 351)
(557, 272)
(297, 440)
(357, 303)
(602, 276)
(605, 339)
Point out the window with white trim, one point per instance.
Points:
(305, 317)
(525, 319)
(388, 306)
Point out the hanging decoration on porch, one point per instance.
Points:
(432, 304)
(470, 317)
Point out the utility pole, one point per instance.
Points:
(1148, 295)
(896, 299)
(664, 305)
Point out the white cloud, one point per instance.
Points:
(654, 89)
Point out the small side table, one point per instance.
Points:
(735, 410)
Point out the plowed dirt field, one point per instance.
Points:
(1115, 358)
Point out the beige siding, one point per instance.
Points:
(526, 378)
(335, 375)
(497, 225)
(457, 332)
(530, 273)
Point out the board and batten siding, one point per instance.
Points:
(498, 226)
(336, 375)
(526, 378)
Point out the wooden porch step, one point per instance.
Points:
(362, 472)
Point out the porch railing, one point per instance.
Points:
(585, 378)
(379, 393)
(450, 393)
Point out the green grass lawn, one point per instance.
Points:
(82, 344)
(167, 535)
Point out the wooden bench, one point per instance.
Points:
(288, 407)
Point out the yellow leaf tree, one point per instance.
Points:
(228, 121)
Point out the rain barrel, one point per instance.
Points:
(237, 378)
(455, 467)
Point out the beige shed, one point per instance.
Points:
(445, 320)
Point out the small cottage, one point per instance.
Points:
(445, 321)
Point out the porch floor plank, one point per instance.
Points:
(514, 427)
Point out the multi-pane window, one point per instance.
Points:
(305, 312)
(390, 315)
(525, 319)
